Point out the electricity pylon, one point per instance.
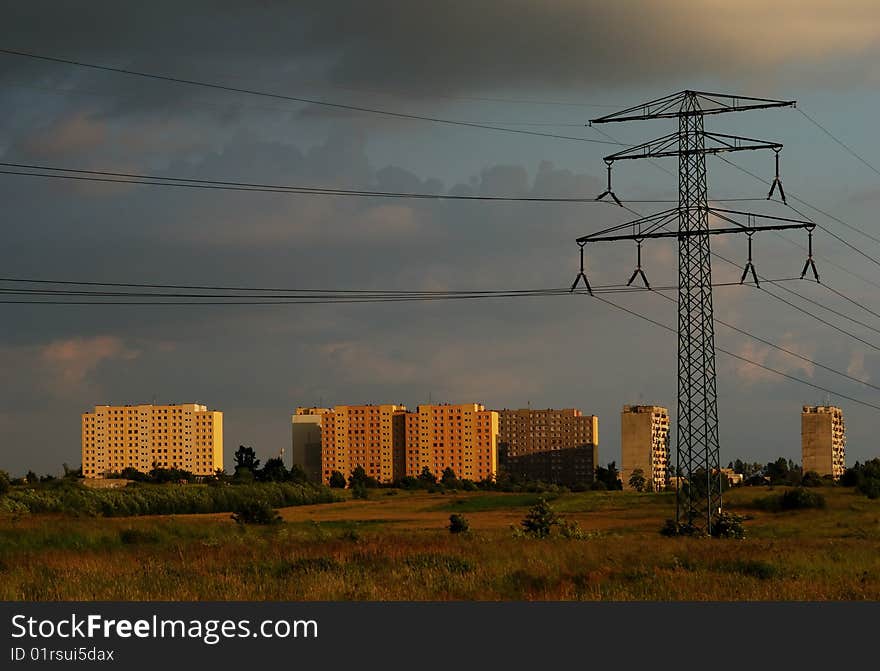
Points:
(698, 500)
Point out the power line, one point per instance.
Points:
(305, 295)
(108, 176)
(785, 350)
(849, 150)
(803, 202)
(278, 96)
(742, 358)
(807, 312)
(286, 110)
(852, 300)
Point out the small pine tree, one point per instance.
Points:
(637, 480)
(540, 520)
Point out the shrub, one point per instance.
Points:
(793, 499)
(870, 487)
(359, 491)
(540, 520)
(256, 512)
(4, 483)
(572, 531)
(811, 479)
(797, 499)
(673, 528)
(337, 480)
(458, 524)
(728, 525)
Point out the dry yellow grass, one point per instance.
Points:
(397, 548)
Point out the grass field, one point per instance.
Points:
(396, 547)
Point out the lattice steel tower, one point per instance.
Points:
(698, 501)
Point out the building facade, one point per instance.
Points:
(644, 445)
(555, 446)
(362, 435)
(186, 436)
(391, 443)
(823, 440)
(306, 440)
(462, 437)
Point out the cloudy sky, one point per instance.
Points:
(546, 66)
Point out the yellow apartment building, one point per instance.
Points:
(644, 444)
(823, 440)
(390, 443)
(362, 435)
(462, 437)
(187, 436)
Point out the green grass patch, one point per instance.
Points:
(76, 499)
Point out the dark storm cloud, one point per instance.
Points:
(457, 46)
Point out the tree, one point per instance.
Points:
(246, 457)
(609, 476)
(778, 471)
(337, 480)
(297, 474)
(130, 473)
(243, 476)
(448, 478)
(32, 478)
(5, 484)
(359, 477)
(255, 512)
(540, 519)
(637, 480)
(273, 471)
(427, 477)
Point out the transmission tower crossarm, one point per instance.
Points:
(647, 227)
(668, 145)
(686, 234)
(672, 106)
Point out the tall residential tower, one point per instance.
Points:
(823, 440)
(644, 445)
(187, 436)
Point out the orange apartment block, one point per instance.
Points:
(390, 443)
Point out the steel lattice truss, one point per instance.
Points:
(698, 485)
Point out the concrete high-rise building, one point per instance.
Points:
(823, 440)
(390, 443)
(370, 436)
(462, 437)
(644, 444)
(558, 446)
(187, 436)
(306, 440)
